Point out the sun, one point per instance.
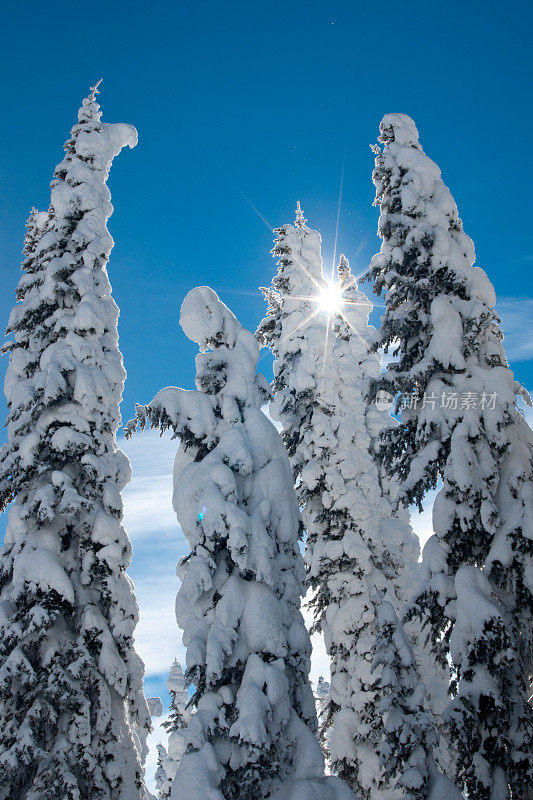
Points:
(330, 298)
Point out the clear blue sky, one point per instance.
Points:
(260, 99)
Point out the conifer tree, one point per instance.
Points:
(355, 546)
(179, 715)
(252, 734)
(70, 681)
(460, 425)
(410, 739)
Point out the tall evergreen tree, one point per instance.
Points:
(355, 546)
(459, 424)
(70, 681)
(248, 652)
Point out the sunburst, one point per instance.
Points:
(330, 298)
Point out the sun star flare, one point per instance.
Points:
(330, 298)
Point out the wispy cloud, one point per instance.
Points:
(517, 321)
(158, 542)
(148, 497)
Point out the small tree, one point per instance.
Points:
(70, 681)
(459, 424)
(179, 715)
(356, 547)
(248, 652)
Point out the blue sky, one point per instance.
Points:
(257, 104)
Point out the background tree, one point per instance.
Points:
(179, 715)
(355, 548)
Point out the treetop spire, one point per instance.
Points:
(344, 272)
(94, 89)
(300, 219)
(399, 128)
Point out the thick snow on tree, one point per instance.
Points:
(321, 694)
(460, 424)
(248, 653)
(356, 547)
(410, 743)
(493, 681)
(70, 681)
(179, 716)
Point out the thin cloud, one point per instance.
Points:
(517, 317)
(158, 543)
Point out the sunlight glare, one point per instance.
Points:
(330, 298)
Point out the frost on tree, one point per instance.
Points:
(356, 547)
(252, 734)
(410, 742)
(70, 682)
(179, 716)
(459, 424)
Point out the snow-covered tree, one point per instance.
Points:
(248, 653)
(70, 681)
(459, 424)
(179, 716)
(355, 546)
(321, 693)
(411, 741)
(490, 709)
(322, 690)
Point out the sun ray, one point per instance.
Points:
(325, 356)
(261, 217)
(311, 278)
(300, 325)
(347, 321)
(339, 208)
(330, 298)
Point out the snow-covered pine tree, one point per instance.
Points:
(410, 743)
(459, 424)
(179, 715)
(322, 690)
(355, 546)
(252, 735)
(70, 681)
(321, 694)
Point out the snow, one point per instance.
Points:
(461, 430)
(248, 652)
(75, 719)
(356, 544)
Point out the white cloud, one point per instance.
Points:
(148, 506)
(157, 636)
(148, 497)
(158, 542)
(517, 317)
